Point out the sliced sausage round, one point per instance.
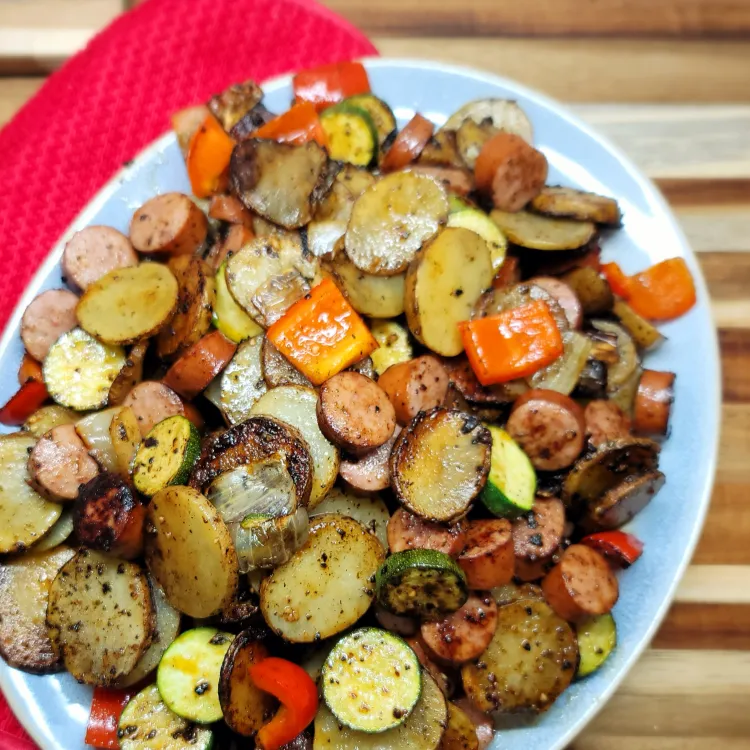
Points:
(94, 252)
(605, 421)
(549, 427)
(48, 317)
(538, 533)
(417, 385)
(534, 570)
(620, 504)
(152, 402)
(396, 623)
(483, 724)
(355, 413)
(653, 403)
(464, 634)
(60, 463)
(564, 296)
(407, 531)
(488, 558)
(581, 584)
(372, 471)
(169, 223)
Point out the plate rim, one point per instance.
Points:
(654, 196)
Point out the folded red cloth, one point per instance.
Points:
(115, 97)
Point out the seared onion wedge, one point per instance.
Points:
(542, 233)
(94, 430)
(241, 383)
(266, 542)
(531, 659)
(440, 464)
(619, 371)
(58, 534)
(563, 374)
(569, 203)
(101, 612)
(125, 434)
(25, 581)
(307, 598)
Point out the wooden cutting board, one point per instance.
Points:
(669, 81)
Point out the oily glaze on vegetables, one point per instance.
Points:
(365, 383)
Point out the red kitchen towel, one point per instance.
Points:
(115, 97)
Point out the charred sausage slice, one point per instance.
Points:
(549, 427)
(48, 317)
(488, 558)
(653, 403)
(372, 471)
(94, 252)
(407, 531)
(605, 421)
(538, 533)
(152, 402)
(170, 224)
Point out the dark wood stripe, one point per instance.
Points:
(705, 626)
(709, 192)
(727, 275)
(735, 357)
(725, 536)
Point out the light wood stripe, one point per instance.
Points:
(715, 584)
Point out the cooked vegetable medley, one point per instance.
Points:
(335, 452)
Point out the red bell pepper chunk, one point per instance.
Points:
(298, 125)
(298, 696)
(106, 709)
(331, 84)
(617, 546)
(29, 397)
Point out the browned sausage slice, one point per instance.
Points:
(355, 413)
(549, 427)
(152, 402)
(417, 385)
(605, 421)
(564, 296)
(169, 223)
(488, 558)
(200, 364)
(94, 252)
(538, 533)
(371, 472)
(464, 634)
(535, 570)
(407, 531)
(59, 464)
(581, 584)
(653, 403)
(48, 317)
(621, 503)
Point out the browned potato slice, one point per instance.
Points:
(246, 708)
(279, 181)
(460, 734)
(504, 114)
(541, 232)
(442, 284)
(569, 203)
(499, 300)
(591, 289)
(470, 138)
(24, 587)
(232, 104)
(349, 184)
(392, 219)
(129, 376)
(441, 151)
(426, 481)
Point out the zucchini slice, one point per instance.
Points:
(422, 730)
(511, 484)
(421, 583)
(541, 232)
(166, 455)
(25, 516)
(308, 598)
(392, 219)
(352, 136)
(242, 381)
(354, 674)
(477, 221)
(395, 344)
(79, 370)
(47, 418)
(531, 659)
(440, 463)
(147, 724)
(380, 113)
(129, 304)
(597, 638)
(569, 203)
(228, 316)
(189, 672)
(370, 511)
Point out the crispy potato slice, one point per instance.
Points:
(504, 114)
(242, 381)
(130, 375)
(541, 232)
(569, 203)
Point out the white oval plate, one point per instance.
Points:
(54, 709)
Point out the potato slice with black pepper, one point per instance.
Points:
(569, 203)
(542, 232)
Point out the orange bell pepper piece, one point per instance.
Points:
(618, 281)
(298, 125)
(663, 291)
(514, 344)
(208, 158)
(30, 369)
(331, 84)
(321, 334)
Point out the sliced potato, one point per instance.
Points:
(25, 642)
(442, 284)
(195, 304)
(242, 381)
(58, 534)
(592, 290)
(278, 370)
(182, 528)
(496, 301)
(305, 600)
(349, 184)
(440, 463)
(569, 203)
(370, 511)
(100, 610)
(395, 345)
(441, 151)
(392, 219)
(541, 232)
(129, 304)
(130, 375)
(126, 437)
(471, 136)
(297, 407)
(48, 417)
(25, 516)
(460, 734)
(504, 114)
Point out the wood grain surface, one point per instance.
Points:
(669, 82)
